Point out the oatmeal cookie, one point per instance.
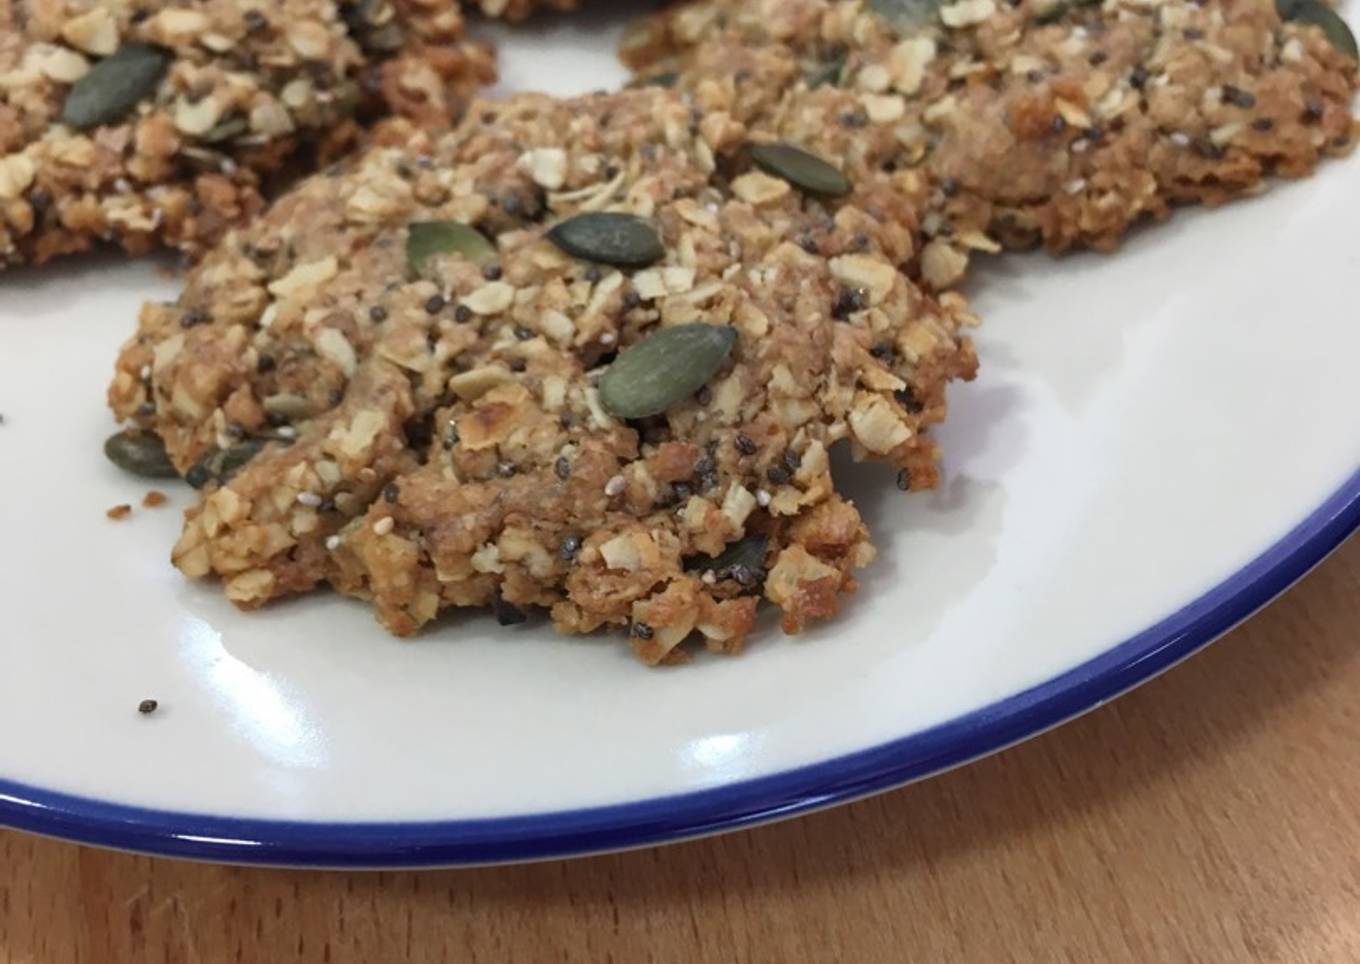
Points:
(622, 250)
(147, 122)
(1062, 123)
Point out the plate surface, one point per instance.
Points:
(1158, 443)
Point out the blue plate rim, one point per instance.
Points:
(729, 807)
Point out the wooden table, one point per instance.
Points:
(1213, 815)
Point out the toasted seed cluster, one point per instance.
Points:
(144, 122)
(456, 433)
(1015, 124)
(589, 355)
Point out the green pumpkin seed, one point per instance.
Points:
(227, 130)
(907, 16)
(141, 453)
(664, 368)
(1061, 9)
(220, 465)
(743, 560)
(427, 238)
(819, 74)
(609, 237)
(666, 78)
(1324, 18)
(113, 86)
(800, 168)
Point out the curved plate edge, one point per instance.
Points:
(684, 816)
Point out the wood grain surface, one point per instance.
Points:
(1213, 815)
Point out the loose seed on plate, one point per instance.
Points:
(146, 707)
(800, 168)
(113, 86)
(427, 238)
(610, 237)
(140, 453)
(664, 368)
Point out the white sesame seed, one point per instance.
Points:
(309, 499)
(144, 373)
(228, 166)
(614, 486)
(383, 526)
(1180, 139)
(332, 543)
(1077, 186)
(122, 185)
(607, 338)
(708, 578)
(1080, 145)
(762, 498)
(286, 431)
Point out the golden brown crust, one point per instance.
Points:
(531, 494)
(251, 89)
(1026, 124)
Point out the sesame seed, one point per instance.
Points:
(570, 546)
(642, 631)
(745, 445)
(332, 543)
(562, 467)
(608, 338)
(383, 526)
(286, 431)
(614, 486)
(462, 313)
(1180, 139)
(309, 499)
(762, 498)
(391, 493)
(146, 707)
(435, 304)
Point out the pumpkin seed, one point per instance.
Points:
(743, 556)
(1061, 9)
(141, 453)
(220, 465)
(1324, 18)
(427, 238)
(113, 86)
(609, 237)
(800, 168)
(818, 73)
(907, 16)
(666, 78)
(664, 368)
(225, 130)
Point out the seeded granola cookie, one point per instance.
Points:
(634, 365)
(146, 122)
(1062, 123)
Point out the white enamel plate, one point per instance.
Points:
(1158, 443)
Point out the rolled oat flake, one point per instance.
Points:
(424, 239)
(609, 237)
(664, 368)
(800, 168)
(113, 86)
(141, 453)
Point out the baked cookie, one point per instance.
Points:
(1061, 123)
(148, 122)
(579, 354)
